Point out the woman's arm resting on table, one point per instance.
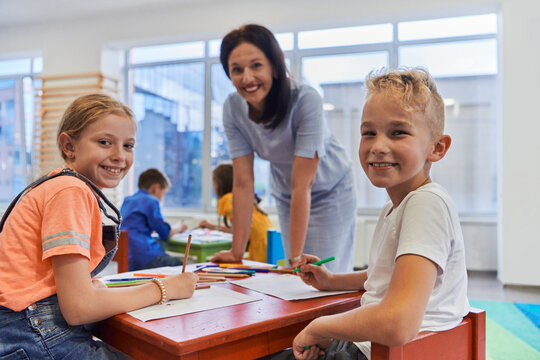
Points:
(303, 175)
(394, 321)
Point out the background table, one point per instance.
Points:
(244, 331)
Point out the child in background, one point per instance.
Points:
(416, 278)
(222, 178)
(52, 243)
(141, 215)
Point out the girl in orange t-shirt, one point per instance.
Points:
(222, 178)
(52, 243)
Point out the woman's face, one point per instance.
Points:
(251, 73)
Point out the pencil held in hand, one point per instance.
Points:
(186, 253)
(320, 262)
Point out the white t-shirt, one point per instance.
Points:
(425, 223)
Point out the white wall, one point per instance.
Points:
(76, 46)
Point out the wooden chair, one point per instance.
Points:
(121, 256)
(467, 341)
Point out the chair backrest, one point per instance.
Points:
(467, 341)
(121, 256)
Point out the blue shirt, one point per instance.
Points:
(141, 214)
(303, 132)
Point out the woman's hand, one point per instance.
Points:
(180, 286)
(317, 276)
(225, 256)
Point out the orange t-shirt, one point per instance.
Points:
(60, 216)
(260, 223)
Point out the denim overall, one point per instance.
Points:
(40, 331)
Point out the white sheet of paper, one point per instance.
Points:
(287, 287)
(204, 299)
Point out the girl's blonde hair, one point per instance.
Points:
(86, 109)
(416, 91)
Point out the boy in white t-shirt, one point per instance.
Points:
(416, 278)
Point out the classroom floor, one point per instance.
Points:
(483, 285)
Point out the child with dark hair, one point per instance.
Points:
(222, 178)
(142, 216)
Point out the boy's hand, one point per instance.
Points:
(98, 284)
(317, 276)
(225, 256)
(180, 286)
(316, 345)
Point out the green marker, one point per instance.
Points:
(307, 347)
(124, 283)
(320, 262)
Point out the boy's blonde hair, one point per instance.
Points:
(86, 109)
(415, 90)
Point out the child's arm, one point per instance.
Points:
(394, 321)
(177, 228)
(205, 224)
(83, 303)
(320, 278)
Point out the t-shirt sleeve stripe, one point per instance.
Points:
(64, 233)
(65, 240)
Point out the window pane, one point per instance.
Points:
(214, 47)
(285, 40)
(221, 88)
(477, 57)
(356, 35)
(16, 66)
(167, 52)
(340, 80)
(168, 102)
(449, 27)
(471, 122)
(11, 148)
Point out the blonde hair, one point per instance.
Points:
(86, 109)
(415, 90)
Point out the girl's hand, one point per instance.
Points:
(204, 224)
(180, 286)
(317, 276)
(225, 256)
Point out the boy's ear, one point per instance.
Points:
(153, 189)
(440, 147)
(67, 145)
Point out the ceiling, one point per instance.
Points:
(23, 12)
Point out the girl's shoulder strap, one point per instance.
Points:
(66, 171)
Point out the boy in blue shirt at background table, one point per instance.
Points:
(141, 215)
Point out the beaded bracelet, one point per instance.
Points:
(159, 283)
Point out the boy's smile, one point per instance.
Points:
(395, 147)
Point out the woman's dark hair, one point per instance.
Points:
(278, 98)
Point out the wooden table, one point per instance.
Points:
(244, 331)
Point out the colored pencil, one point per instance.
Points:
(151, 275)
(320, 262)
(199, 287)
(186, 253)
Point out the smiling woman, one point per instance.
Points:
(282, 122)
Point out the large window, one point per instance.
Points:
(16, 124)
(178, 91)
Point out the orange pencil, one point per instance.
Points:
(150, 275)
(186, 253)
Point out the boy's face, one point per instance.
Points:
(395, 146)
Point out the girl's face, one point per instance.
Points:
(251, 73)
(104, 151)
